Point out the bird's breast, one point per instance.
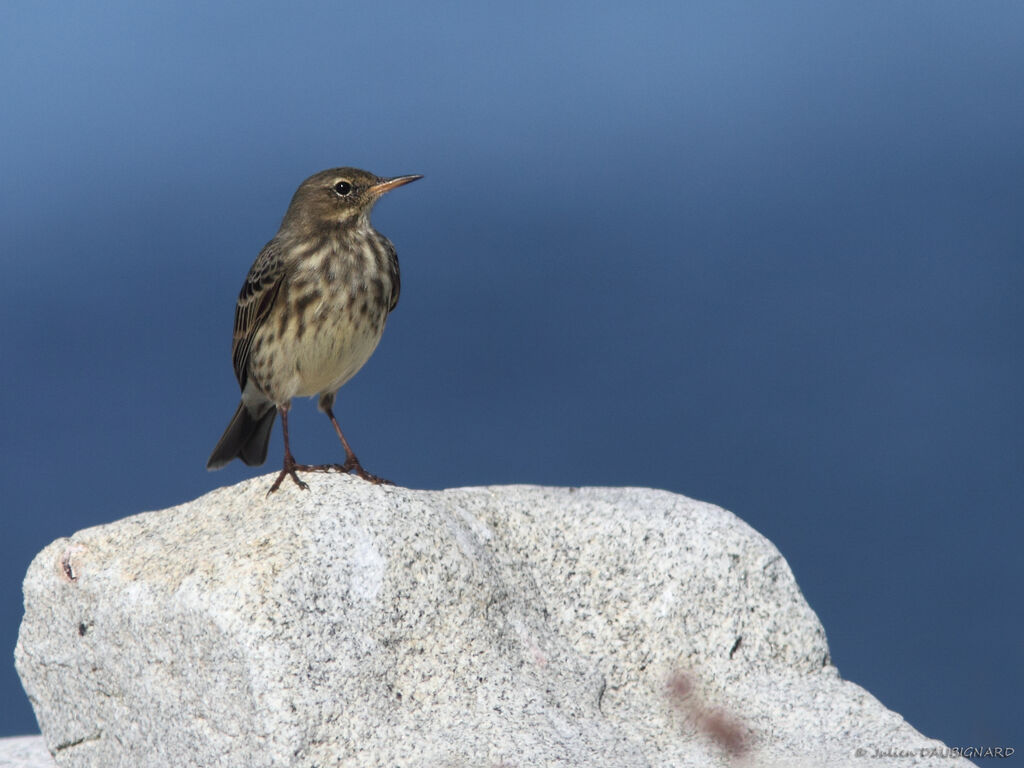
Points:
(326, 322)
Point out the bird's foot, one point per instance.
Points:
(352, 465)
(289, 470)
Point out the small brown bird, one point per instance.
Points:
(310, 314)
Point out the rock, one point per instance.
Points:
(25, 752)
(359, 625)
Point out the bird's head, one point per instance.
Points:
(339, 197)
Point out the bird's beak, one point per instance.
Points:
(386, 185)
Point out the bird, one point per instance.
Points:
(310, 313)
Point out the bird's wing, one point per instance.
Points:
(261, 287)
(396, 275)
(396, 285)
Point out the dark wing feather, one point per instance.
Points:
(396, 275)
(254, 302)
(396, 285)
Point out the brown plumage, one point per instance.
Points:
(310, 313)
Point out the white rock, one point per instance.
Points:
(358, 625)
(25, 752)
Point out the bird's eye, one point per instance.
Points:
(343, 188)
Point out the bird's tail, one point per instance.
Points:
(246, 438)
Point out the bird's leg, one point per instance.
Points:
(289, 461)
(351, 462)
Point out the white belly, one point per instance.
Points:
(334, 345)
(333, 356)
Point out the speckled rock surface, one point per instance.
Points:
(357, 625)
(25, 752)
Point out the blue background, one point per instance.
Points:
(765, 255)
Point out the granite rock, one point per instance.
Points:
(359, 625)
(25, 752)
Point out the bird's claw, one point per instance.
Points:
(289, 470)
(353, 466)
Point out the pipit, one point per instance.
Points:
(310, 314)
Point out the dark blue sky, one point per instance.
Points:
(765, 255)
